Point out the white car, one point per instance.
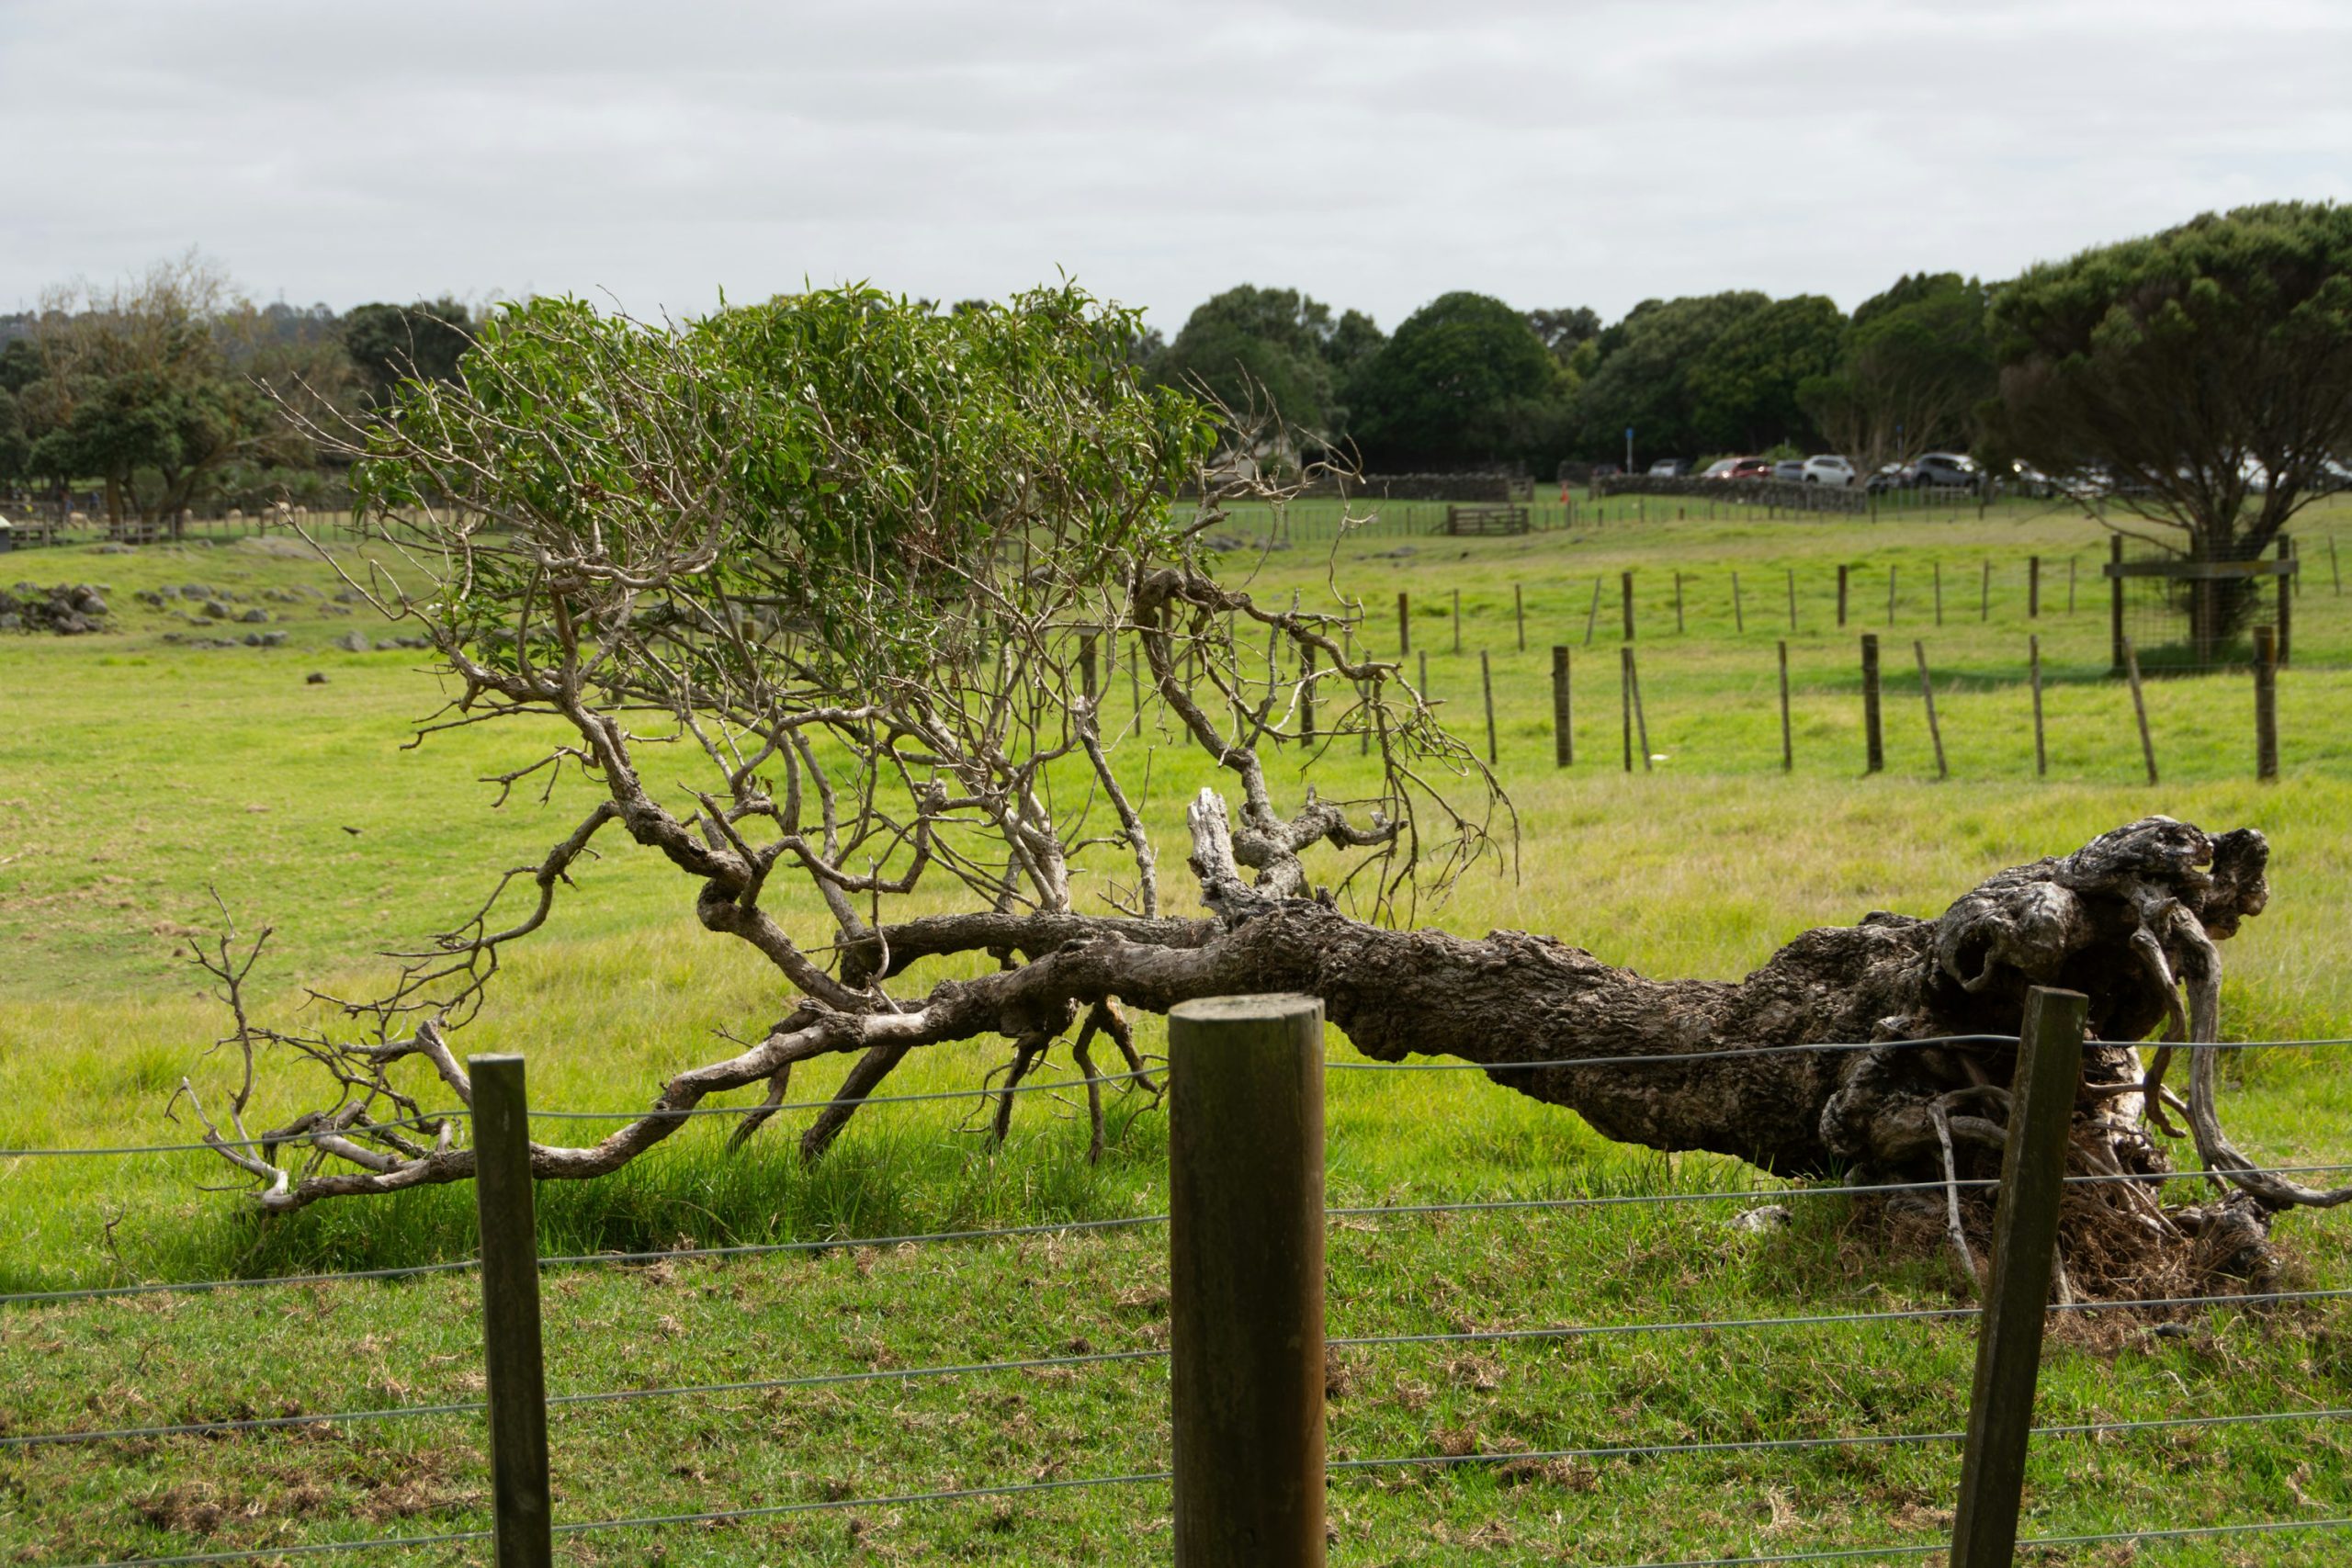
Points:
(1829, 468)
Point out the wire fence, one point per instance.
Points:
(1147, 1355)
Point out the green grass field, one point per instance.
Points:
(140, 777)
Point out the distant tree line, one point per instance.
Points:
(171, 389)
(1469, 382)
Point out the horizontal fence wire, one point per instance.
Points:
(1562, 1331)
(461, 1113)
(988, 1092)
(1097, 1358)
(1848, 1553)
(1375, 1211)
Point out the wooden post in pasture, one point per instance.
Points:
(2034, 588)
(2286, 599)
(1787, 745)
(1792, 598)
(1641, 720)
(1486, 684)
(1985, 594)
(2017, 1293)
(1873, 735)
(2033, 675)
(1457, 620)
(1928, 695)
(1625, 592)
(1564, 739)
(2115, 604)
(1738, 611)
(2139, 708)
(2266, 701)
(1135, 679)
(1424, 657)
(1626, 701)
(512, 1356)
(1245, 1269)
(1842, 593)
(1678, 626)
(1940, 593)
(1086, 660)
(1592, 613)
(1307, 692)
(2071, 564)
(1890, 595)
(1519, 615)
(1404, 623)
(2335, 571)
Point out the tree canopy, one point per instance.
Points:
(1464, 382)
(1250, 346)
(1643, 375)
(389, 344)
(1911, 371)
(1742, 386)
(2206, 370)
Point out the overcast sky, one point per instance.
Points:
(1376, 154)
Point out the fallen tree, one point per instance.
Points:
(855, 564)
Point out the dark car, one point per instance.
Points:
(1950, 468)
(1669, 469)
(1790, 470)
(1739, 469)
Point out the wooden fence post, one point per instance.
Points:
(1626, 701)
(1890, 595)
(2115, 605)
(2033, 674)
(2335, 571)
(1625, 592)
(1641, 720)
(1678, 626)
(1307, 692)
(1592, 612)
(1404, 624)
(1985, 594)
(1519, 613)
(1739, 611)
(2016, 1294)
(2139, 708)
(2034, 588)
(1874, 736)
(1457, 620)
(1792, 598)
(1564, 738)
(2286, 601)
(1788, 748)
(2266, 703)
(1842, 593)
(1424, 657)
(1245, 1267)
(1927, 693)
(1486, 683)
(512, 1356)
(1940, 593)
(1086, 660)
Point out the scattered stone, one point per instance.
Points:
(352, 642)
(315, 678)
(68, 609)
(112, 548)
(195, 591)
(347, 596)
(215, 610)
(255, 616)
(1755, 1222)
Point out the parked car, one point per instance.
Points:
(1892, 476)
(1790, 470)
(1829, 468)
(1743, 469)
(1669, 469)
(1606, 471)
(2027, 480)
(1953, 468)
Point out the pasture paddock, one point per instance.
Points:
(139, 770)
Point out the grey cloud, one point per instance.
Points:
(1376, 154)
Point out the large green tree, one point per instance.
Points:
(1744, 385)
(156, 387)
(1464, 383)
(1249, 347)
(1911, 371)
(2206, 371)
(391, 344)
(1642, 377)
